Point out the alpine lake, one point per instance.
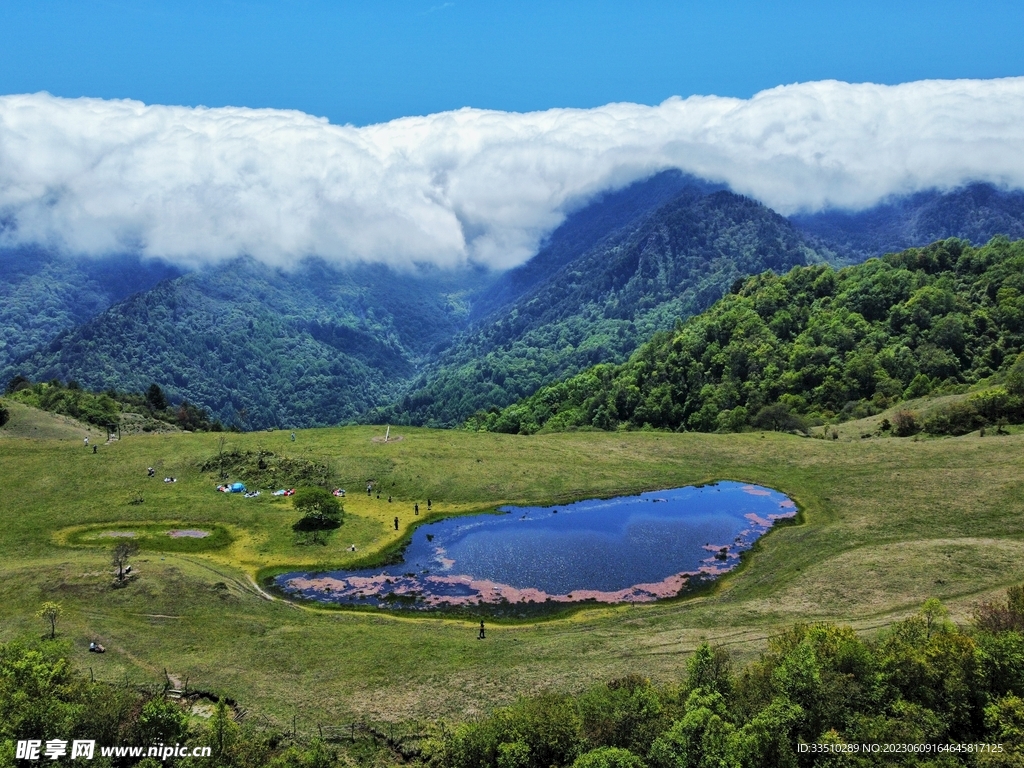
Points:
(523, 561)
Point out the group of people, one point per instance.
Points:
(415, 507)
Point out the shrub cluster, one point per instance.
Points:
(105, 408)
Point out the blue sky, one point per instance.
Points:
(370, 62)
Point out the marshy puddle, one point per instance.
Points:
(626, 549)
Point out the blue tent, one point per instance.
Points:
(237, 488)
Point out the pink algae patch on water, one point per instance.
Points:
(188, 533)
(753, 490)
(486, 591)
(492, 592)
(787, 504)
(756, 519)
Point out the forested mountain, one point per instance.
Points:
(598, 307)
(585, 228)
(434, 347)
(977, 213)
(325, 344)
(260, 347)
(43, 293)
(813, 341)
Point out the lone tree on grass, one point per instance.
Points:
(50, 612)
(320, 510)
(123, 552)
(155, 398)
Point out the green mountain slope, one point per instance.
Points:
(673, 263)
(261, 348)
(602, 218)
(43, 293)
(976, 212)
(814, 340)
(258, 347)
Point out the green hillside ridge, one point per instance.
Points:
(44, 293)
(599, 307)
(259, 348)
(819, 343)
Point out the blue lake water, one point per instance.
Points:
(626, 549)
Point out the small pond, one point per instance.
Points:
(626, 549)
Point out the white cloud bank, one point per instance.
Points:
(193, 184)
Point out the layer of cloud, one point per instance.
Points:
(193, 184)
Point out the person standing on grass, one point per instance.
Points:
(481, 636)
(396, 523)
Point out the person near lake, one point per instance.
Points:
(416, 508)
(396, 522)
(481, 636)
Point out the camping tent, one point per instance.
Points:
(237, 488)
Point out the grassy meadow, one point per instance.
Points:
(886, 523)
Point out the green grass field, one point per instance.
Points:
(886, 523)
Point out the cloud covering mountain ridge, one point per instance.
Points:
(194, 185)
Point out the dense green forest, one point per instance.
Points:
(815, 342)
(43, 293)
(258, 347)
(599, 307)
(924, 692)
